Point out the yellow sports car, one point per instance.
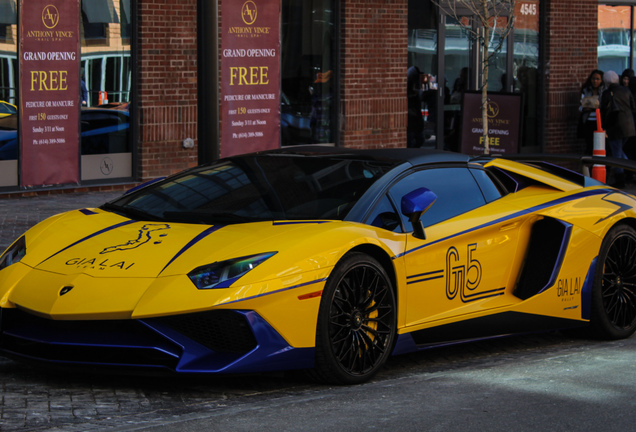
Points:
(323, 259)
(7, 109)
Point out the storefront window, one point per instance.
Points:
(8, 94)
(633, 39)
(443, 46)
(106, 72)
(459, 68)
(423, 58)
(308, 72)
(525, 67)
(498, 62)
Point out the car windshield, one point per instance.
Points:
(256, 188)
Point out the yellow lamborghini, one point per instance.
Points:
(7, 109)
(323, 259)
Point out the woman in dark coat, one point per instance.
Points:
(591, 93)
(617, 115)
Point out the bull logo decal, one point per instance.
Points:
(145, 235)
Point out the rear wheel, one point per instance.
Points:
(356, 321)
(614, 293)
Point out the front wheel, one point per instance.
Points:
(356, 322)
(614, 292)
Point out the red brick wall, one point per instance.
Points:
(571, 55)
(373, 73)
(167, 68)
(373, 76)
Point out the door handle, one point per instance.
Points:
(508, 226)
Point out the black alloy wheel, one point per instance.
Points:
(614, 292)
(356, 322)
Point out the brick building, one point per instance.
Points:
(339, 76)
(570, 44)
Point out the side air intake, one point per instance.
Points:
(548, 243)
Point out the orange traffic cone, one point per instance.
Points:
(598, 171)
(103, 98)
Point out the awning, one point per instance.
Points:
(100, 11)
(8, 13)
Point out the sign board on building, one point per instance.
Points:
(504, 120)
(49, 92)
(250, 75)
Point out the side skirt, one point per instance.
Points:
(502, 324)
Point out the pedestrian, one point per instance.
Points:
(83, 90)
(627, 77)
(591, 92)
(617, 114)
(628, 80)
(460, 86)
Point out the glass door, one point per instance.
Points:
(425, 124)
(460, 73)
(463, 67)
(448, 56)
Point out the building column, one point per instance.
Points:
(373, 53)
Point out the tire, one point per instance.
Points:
(356, 321)
(613, 313)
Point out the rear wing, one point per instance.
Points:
(577, 165)
(584, 162)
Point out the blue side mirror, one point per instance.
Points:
(414, 204)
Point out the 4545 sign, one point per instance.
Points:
(463, 276)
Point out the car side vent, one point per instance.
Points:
(548, 242)
(221, 330)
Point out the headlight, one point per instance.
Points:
(225, 273)
(14, 254)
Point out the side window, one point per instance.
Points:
(384, 216)
(488, 187)
(456, 190)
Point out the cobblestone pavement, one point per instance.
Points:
(19, 214)
(45, 400)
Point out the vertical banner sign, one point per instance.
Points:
(49, 92)
(250, 73)
(504, 118)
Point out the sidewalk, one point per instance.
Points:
(19, 214)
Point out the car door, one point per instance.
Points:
(470, 257)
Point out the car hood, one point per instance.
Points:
(102, 244)
(93, 264)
